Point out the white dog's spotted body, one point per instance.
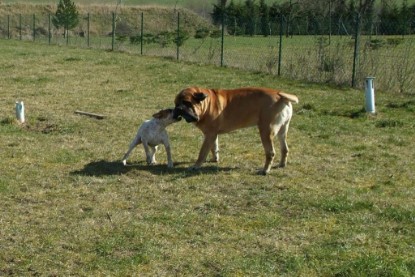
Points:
(151, 134)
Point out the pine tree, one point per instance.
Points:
(404, 18)
(233, 15)
(251, 16)
(264, 14)
(66, 16)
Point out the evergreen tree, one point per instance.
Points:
(233, 18)
(389, 18)
(339, 13)
(251, 15)
(217, 15)
(66, 16)
(412, 19)
(405, 18)
(351, 17)
(264, 14)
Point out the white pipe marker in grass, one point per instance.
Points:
(20, 111)
(370, 95)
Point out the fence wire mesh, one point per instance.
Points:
(313, 49)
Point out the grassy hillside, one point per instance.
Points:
(157, 18)
(343, 206)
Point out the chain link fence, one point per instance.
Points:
(322, 50)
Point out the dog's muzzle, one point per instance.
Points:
(182, 111)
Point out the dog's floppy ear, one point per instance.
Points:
(159, 114)
(199, 96)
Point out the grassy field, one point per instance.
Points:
(342, 207)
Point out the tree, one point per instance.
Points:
(250, 17)
(264, 14)
(389, 16)
(66, 16)
(218, 11)
(233, 18)
(404, 18)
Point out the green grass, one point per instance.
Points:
(343, 206)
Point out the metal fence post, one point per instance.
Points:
(113, 31)
(178, 36)
(280, 46)
(49, 29)
(20, 26)
(34, 27)
(8, 27)
(142, 33)
(356, 49)
(223, 37)
(87, 30)
(67, 34)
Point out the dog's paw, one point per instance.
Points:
(262, 172)
(193, 168)
(170, 165)
(124, 162)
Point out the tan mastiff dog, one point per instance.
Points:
(218, 111)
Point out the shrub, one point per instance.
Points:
(376, 43)
(202, 33)
(181, 38)
(216, 34)
(394, 41)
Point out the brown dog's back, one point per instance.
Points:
(240, 108)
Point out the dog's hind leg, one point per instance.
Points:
(153, 154)
(133, 144)
(150, 153)
(282, 137)
(267, 137)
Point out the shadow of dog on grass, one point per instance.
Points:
(102, 168)
(106, 168)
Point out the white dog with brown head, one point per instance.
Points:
(153, 133)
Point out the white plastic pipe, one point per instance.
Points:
(370, 95)
(20, 111)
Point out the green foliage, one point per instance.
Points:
(202, 33)
(302, 17)
(180, 38)
(66, 15)
(163, 38)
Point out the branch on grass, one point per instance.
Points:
(97, 116)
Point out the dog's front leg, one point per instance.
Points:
(168, 151)
(215, 151)
(207, 145)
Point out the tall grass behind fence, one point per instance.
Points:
(337, 54)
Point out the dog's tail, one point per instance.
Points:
(290, 97)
